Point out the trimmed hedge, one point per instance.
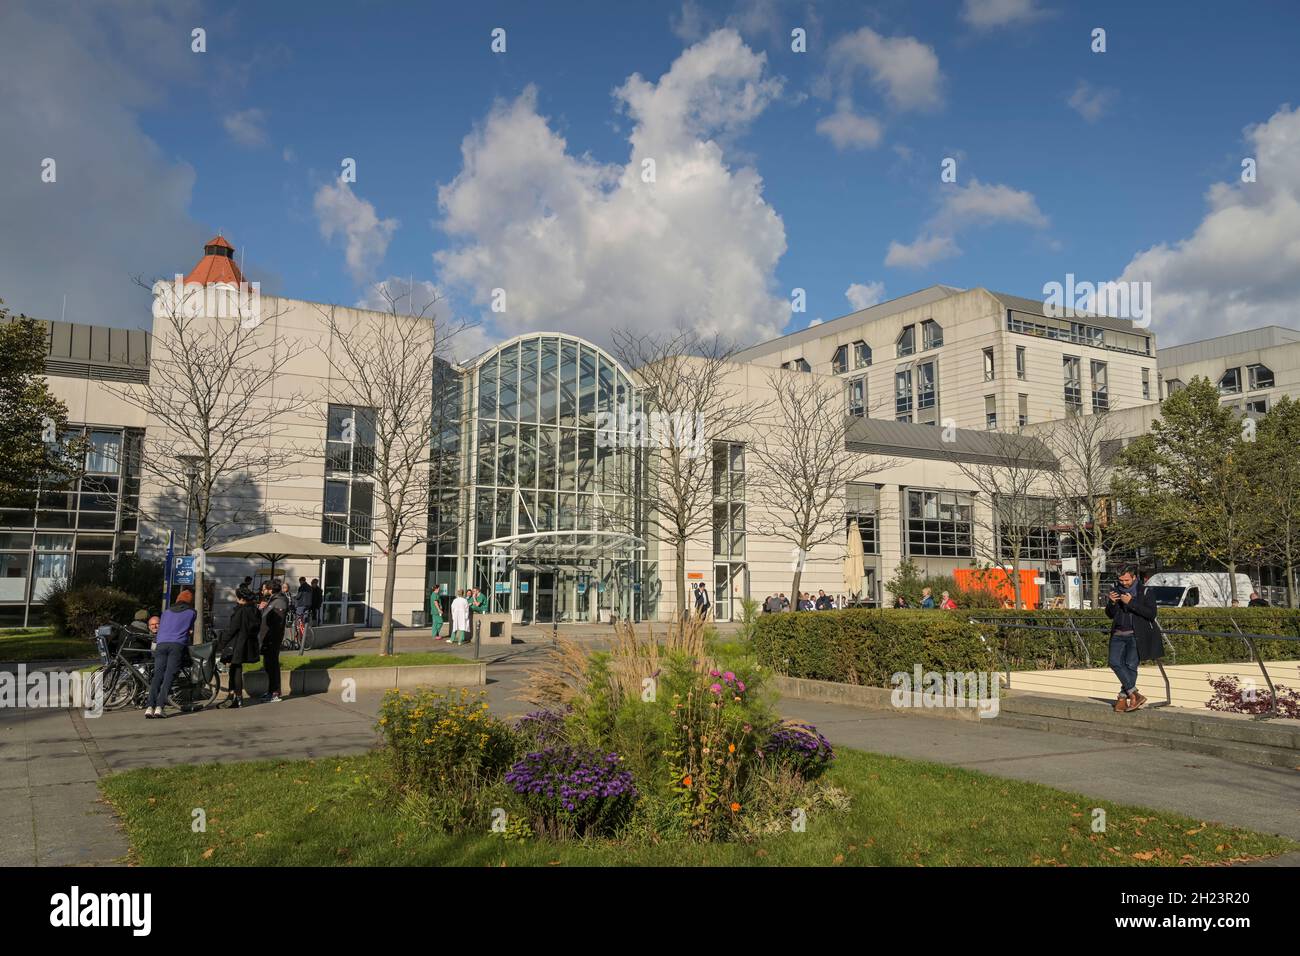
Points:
(859, 646)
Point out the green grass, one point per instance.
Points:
(40, 644)
(290, 661)
(904, 813)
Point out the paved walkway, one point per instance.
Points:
(50, 759)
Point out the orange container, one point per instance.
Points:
(998, 581)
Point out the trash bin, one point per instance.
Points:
(420, 618)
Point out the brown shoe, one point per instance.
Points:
(1135, 700)
(1121, 705)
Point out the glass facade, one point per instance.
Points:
(73, 530)
(536, 500)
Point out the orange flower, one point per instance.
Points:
(735, 807)
(686, 781)
(731, 748)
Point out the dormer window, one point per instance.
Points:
(907, 341)
(840, 363)
(797, 365)
(861, 354)
(1260, 376)
(931, 334)
(1230, 384)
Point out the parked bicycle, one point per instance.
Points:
(297, 632)
(126, 671)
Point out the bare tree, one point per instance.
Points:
(1010, 474)
(805, 466)
(212, 407)
(1085, 447)
(391, 364)
(685, 380)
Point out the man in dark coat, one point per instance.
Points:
(240, 645)
(1134, 636)
(275, 609)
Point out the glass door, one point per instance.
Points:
(544, 606)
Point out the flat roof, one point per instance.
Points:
(911, 440)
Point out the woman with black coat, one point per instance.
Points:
(240, 645)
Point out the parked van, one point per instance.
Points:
(1197, 589)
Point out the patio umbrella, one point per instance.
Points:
(274, 546)
(853, 560)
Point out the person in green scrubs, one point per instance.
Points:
(435, 613)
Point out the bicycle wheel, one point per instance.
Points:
(119, 688)
(304, 637)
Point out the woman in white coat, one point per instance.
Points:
(459, 618)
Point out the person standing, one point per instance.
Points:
(317, 599)
(275, 610)
(302, 599)
(927, 599)
(1257, 601)
(702, 602)
(435, 612)
(1134, 636)
(785, 602)
(175, 632)
(824, 602)
(459, 619)
(240, 645)
(946, 603)
(900, 602)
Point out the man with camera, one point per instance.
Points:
(1134, 636)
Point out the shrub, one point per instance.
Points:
(1230, 697)
(142, 578)
(908, 582)
(448, 746)
(540, 728)
(573, 790)
(77, 610)
(860, 646)
(804, 751)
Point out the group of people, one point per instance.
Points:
(945, 602)
(464, 606)
(775, 603)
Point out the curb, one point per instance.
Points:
(323, 680)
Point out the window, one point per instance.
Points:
(988, 365)
(927, 392)
(1073, 383)
(931, 334)
(907, 341)
(1260, 376)
(857, 396)
(347, 511)
(1146, 384)
(1258, 406)
(1100, 389)
(990, 412)
(103, 453)
(797, 365)
(903, 395)
(350, 439)
(1173, 385)
(1078, 333)
(861, 354)
(728, 500)
(939, 524)
(1024, 410)
(1020, 362)
(1027, 522)
(861, 505)
(840, 363)
(1230, 384)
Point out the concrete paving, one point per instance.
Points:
(50, 759)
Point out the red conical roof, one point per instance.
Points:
(217, 264)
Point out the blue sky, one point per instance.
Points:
(1067, 160)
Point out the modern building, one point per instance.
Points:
(542, 503)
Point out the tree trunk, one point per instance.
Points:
(1290, 586)
(198, 583)
(1232, 582)
(682, 610)
(390, 585)
(794, 596)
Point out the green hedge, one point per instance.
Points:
(860, 646)
(1046, 650)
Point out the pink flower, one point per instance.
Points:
(740, 685)
(716, 688)
(729, 677)
(713, 673)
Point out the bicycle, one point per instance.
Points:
(127, 671)
(297, 633)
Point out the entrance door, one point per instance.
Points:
(544, 607)
(524, 596)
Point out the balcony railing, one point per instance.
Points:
(350, 532)
(347, 457)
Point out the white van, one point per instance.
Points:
(1197, 589)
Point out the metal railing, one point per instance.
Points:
(1077, 632)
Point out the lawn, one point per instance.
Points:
(904, 813)
(289, 661)
(40, 644)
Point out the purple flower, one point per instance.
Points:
(716, 688)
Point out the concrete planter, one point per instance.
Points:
(870, 698)
(325, 680)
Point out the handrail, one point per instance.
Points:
(1074, 629)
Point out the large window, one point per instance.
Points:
(861, 354)
(927, 393)
(903, 395)
(350, 439)
(989, 371)
(1073, 383)
(1100, 387)
(1078, 333)
(1031, 521)
(728, 501)
(797, 365)
(990, 412)
(856, 391)
(931, 334)
(862, 507)
(1146, 384)
(1260, 376)
(939, 524)
(840, 361)
(347, 512)
(906, 344)
(1020, 362)
(1230, 384)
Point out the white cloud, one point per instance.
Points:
(1089, 102)
(990, 14)
(849, 130)
(864, 295)
(340, 212)
(922, 252)
(288, 155)
(75, 85)
(1240, 267)
(905, 70)
(815, 322)
(587, 247)
(963, 207)
(246, 127)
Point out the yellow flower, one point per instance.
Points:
(731, 748)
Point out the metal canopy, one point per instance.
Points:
(579, 545)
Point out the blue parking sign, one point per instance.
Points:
(184, 573)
